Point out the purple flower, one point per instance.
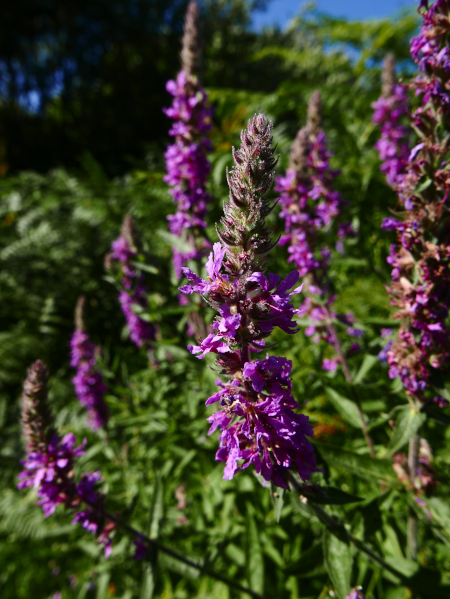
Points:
(88, 381)
(256, 417)
(389, 112)
(140, 549)
(356, 593)
(420, 259)
(133, 292)
(391, 224)
(50, 460)
(383, 354)
(267, 432)
(330, 365)
(186, 162)
(310, 207)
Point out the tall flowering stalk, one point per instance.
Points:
(421, 257)
(49, 464)
(49, 468)
(310, 208)
(133, 291)
(88, 382)
(186, 159)
(390, 111)
(256, 416)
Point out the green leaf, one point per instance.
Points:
(173, 240)
(147, 582)
(278, 501)
(146, 267)
(406, 567)
(156, 510)
(338, 561)
(368, 362)
(362, 465)
(255, 560)
(346, 408)
(351, 261)
(440, 512)
(407, 423)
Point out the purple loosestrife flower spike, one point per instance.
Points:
(420, 259)
(88, 381)
(186, 162)
(36, 418)
(389, 112)
(310, 207)
(132, 293)
(256, 418)
(49, 463)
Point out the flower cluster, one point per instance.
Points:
(421, 258)
(186, 159)
(310, 207)
(49, 464)
(133, 291)
(389, 112)
(88, 381)
(256, 418)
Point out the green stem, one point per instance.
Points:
(163, 549)
(413, 459)
(339, 530)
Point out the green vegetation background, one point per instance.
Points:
(71, 171)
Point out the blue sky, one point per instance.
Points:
(281, 11)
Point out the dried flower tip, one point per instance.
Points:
(191, 52)
(388, 76)
(129, 233)
(314, 113)
(36, 418)
(243, 230)
(79, 313)
(299, 152)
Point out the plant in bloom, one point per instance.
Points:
(256, 418)
(186, 159)
(88, 382)
(310, 208)
(420, 259)
(49, 464)
(133, 291)
(390, 111)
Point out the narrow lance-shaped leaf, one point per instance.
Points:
(346, 408)
(338, 561)
(364, 466)
(407, 424)
(255, 561)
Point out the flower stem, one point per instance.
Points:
(160, 547)
(413, 458)
(338, 530)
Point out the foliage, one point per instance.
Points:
(155, 456)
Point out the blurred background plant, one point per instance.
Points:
(82, 140)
